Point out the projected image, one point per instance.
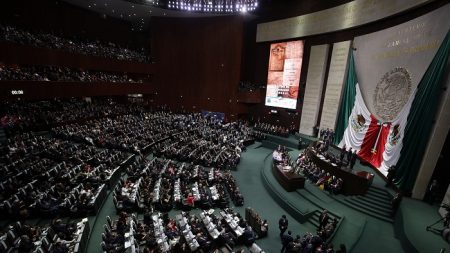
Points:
(285, 64)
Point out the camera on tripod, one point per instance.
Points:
(447, 214)
(445, 219)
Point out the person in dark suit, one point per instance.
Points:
(249, 236)
(353, 159)
(25, 244)
(349, 154)
(433, 192)
(60, 248)
(285, 240)
(396, 203)
(390, 175)
(323, 219)
(342, 154)
(283, 225)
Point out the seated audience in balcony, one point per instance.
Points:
(73, 45)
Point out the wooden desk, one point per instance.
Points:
(288, 180)
(355, 183)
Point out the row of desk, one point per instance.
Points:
(354, 183)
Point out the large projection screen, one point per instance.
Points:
(283, 78)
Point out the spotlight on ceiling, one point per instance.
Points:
(214, 6)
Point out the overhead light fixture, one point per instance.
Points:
(215, 6)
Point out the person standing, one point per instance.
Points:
(285, 240)
(349, 155)
(342, 154)
(283, 225)
(433, 191)
(353, 159)
(323, 219)
(390, 175)
(395, 203)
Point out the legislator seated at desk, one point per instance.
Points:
(353, 183)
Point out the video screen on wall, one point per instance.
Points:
(285, 64)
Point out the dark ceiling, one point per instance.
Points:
(140, 13)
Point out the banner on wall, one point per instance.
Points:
(283, 78)
(387, 67)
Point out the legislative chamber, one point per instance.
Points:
(192, 126)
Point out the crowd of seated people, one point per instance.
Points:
(156, 232)
(164, 184)
(21, 237)
(326, 181)
(185, 137)
(75, 44)
(272, 129)
(58, 237)
(60, 74)
(131, 132)
(326, 135)
(260, 226)
(58, 177)
(233, 189)
(258, 135)
(345, 158)
(205, 141)
(19, 117)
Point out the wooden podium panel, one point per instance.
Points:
(289, 181)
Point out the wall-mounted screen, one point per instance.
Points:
(285, 64)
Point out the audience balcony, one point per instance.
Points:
(12, 53)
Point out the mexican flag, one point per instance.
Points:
(401, 140)
(377, 142)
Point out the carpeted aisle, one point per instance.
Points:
(249, 181)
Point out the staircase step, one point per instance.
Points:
(373, 213)
(375, 201)
(377, 189)
(314, 222)
(367, 208)
(378, 192)
(370, 205)
(378, 196)
(316, 215)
